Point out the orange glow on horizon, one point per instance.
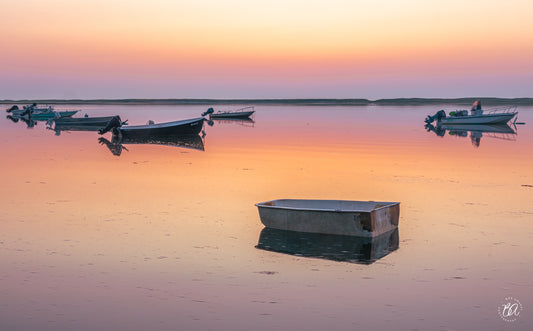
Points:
(304, 43)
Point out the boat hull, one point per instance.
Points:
(185, 127)
(50, 115)
(352, 218)
(478, 119)
(242, 114)
(84, 121)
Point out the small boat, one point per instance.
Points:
(476, 116)
(242, 113)
(79, 124)
(184, 127)
(84, 121)
(341, 217)
(33, 108)
(362, 250)
(52, 114)
(40, 113)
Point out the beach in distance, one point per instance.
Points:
(100, 234)
(304, 101)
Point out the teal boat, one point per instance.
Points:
(39, 112)
(52, 114)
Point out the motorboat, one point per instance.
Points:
(183, 127)
(477, 115)
(79, 123)
(100, 121)
(241, 113)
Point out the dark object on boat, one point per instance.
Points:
(239, 113)
(113, 123)
(13, 108)
(208, 111)
(329, 246)
(437, 117)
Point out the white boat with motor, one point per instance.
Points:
(477, 115)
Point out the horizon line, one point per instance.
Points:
(301, 101)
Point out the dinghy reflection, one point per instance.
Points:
(475, 131)
(327, 246)
(116, 145)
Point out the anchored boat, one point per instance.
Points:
(477, 115)
(80, 123)
(100, 122)
(184, 127)
(39, 113)
(342, 217)
(241, 113)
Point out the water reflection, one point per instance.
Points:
(477, 131)
(78, 124)
(330, 247)
(30, 123)
(248, 122)
(116, 145)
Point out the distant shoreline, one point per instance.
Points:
(303, 102)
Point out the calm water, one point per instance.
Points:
(164, 238)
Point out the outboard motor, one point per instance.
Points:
(437, 117)
(209, 111)
(115, 122)
(15, 107)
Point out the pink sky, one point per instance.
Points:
(257, 49)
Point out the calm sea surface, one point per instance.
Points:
(157, 237)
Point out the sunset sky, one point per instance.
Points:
(265, 49)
